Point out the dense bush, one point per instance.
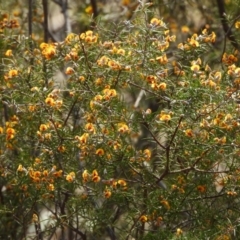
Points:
(137, 143)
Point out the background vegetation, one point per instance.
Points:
(119, 120)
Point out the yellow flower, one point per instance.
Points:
(189, 133)
(1, 130)
(50, 101)
(90, 127)
(8, 53)
(69, 71)
(147, 154)
(193, 42)
(166, 204)
(185, 29)
(231, 193)
(51, 187)
(61, 148)
(82, 139)
(179, 232)
(221, 140)
(211, 84)
(10, 133)
(109, 93)
(143, 218)
(164, 117)
(237, 24)
(20, 168)
(156, 22)
(114, 65)
(107, 193)
(100, 152)
(12, 73)
(122, 183)
(162, 86)
(85, 175)
(123, 128)
(103, 61)
(89, 37)
(162, 59)
(89, 10)
(35, 218)
(71, 176)
(195, 68)
(59, 103)
(95, 177)
(43, 127)
(163, 45)
(121, 51)
(81, 78)
(48, 50)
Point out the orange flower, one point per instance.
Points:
(43, 127)
(48, 50)
(95, 177)
(143, 218)
(100, 152)
(83, 138)
(221, 140)
(61, 148)
(163, 59)
(201, 188)
(70, 177)
(12, 73)
(50, 101)
(166, 204)
(103, 61)
(69, 71)
(10, 133)
(123, 128)
(81, 78)
(107, 193)
(189, 133)
(122, 183)
(109, 93)
(90, 127)
(162, 86)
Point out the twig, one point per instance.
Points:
(227, 29)
(45, 21)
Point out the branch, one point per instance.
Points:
(226, 28)
(45, 21)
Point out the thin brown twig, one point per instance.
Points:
(45, 21)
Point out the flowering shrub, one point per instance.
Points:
(134, 145)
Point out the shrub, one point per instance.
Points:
(134, 144)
